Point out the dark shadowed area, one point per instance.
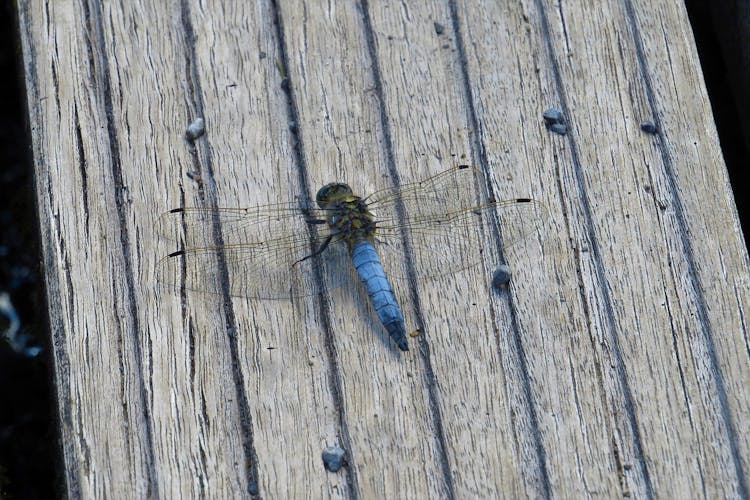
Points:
(28, 439)
(722, 35)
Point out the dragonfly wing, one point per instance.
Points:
(275, 269)
(449, 241)
(202, 226)
(446, 222)
(455, 188)
(256, 252)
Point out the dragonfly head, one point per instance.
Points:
(332, 193)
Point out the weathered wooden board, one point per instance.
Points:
(615, 364)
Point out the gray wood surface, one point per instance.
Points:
(616, 363)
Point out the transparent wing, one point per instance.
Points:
(431, 193)
(454, 241)
(446, 225)
(200, 226)
(264, 251)
(275, 269)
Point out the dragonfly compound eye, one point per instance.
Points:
(332, 193)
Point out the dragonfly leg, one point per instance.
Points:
(315, 221)
(316, 252)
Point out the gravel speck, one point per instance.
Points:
(558, 128)
(552, 116)
(649, 127)
(334, 458)
(502, 276)
(196, 129)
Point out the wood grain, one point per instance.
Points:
(615, 364)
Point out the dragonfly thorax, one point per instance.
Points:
(347, 214)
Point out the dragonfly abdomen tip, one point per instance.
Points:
(397, 332)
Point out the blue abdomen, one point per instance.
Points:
(371, 272)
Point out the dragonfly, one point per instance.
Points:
(297, 249)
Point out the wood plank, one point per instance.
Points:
(469, 334)
(394, 437)
(555, 352)
(615, 364)
(248, 158)
(102, 423)
(651, 250)
(709, 231)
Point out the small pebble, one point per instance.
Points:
(196, 129)
(439, 28)
(552, 116)
(252, 487)
(285, 84)
(334, 458)
(502, 276)
(649, 127)
(558, 128)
